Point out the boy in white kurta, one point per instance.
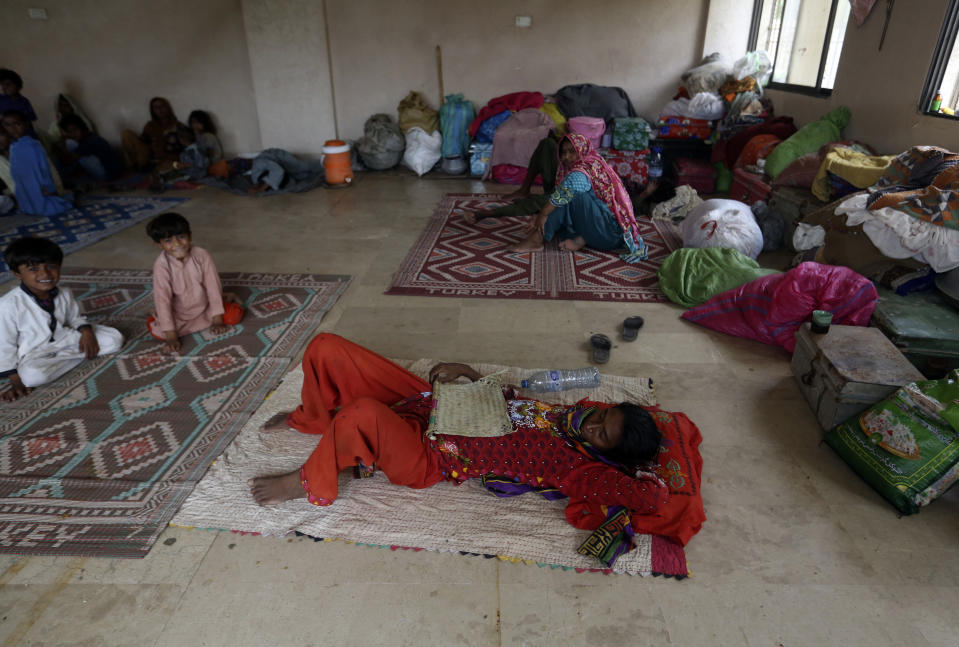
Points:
(42, 332)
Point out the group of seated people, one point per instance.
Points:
(371, 413)
(36, 165)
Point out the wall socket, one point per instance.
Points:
(37, 14)
(524, 21)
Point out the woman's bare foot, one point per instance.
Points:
(276, 422)
(573, 244)
(534, 242)
(473, 217)
(270, 490)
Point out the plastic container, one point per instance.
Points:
(590, 127)
(655, 163)
(561, 380)
(336, 162)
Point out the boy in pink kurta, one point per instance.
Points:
(187, 294)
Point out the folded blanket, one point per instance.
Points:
(771, 309)
(899, 234)
(857, 169)
(922, 182)
(515, 141)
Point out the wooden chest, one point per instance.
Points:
(846, 370)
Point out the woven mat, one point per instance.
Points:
(455, 259)
(93, 219)
(464, 519)
(97, 462)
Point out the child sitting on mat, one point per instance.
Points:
(42, 332)
(187, 293)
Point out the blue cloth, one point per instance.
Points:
(573, 183)
(31, 175)
(108, 166)
(484, 134)
(273, 165)
(587, 216)
(456, 115)
(196, 160)
(92, 166)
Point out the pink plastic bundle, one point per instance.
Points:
(590, 127)
(771, 308)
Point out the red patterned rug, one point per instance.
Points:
(455, 259)
(97, 462)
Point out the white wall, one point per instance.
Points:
(882, 88)
(727, 28)
(291, 78)
(113, 55)
(261, 67)
(382, 50)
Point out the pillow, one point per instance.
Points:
(476, 409)
(801, 173)
(808, 139)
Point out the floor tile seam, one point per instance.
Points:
(179, 601)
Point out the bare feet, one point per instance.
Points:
(534, 242)
(270, 490)
(573, 244)
(473, 217)
(258, 188)
(276, 423)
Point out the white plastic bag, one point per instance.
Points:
(755, 64)
(706, 105)
(422, 151)
(808, 237)
(708, 76)
(728, 224)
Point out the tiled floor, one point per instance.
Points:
(796, 551)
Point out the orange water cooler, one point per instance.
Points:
(336, 162)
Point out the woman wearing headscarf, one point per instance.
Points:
(63, 106)
(590, 207)
(159, 145)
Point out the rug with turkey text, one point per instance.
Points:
(453, 258)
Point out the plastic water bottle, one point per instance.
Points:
(560, 380)
(655, 163)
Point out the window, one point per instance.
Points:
(803, 39)
(943, 77)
